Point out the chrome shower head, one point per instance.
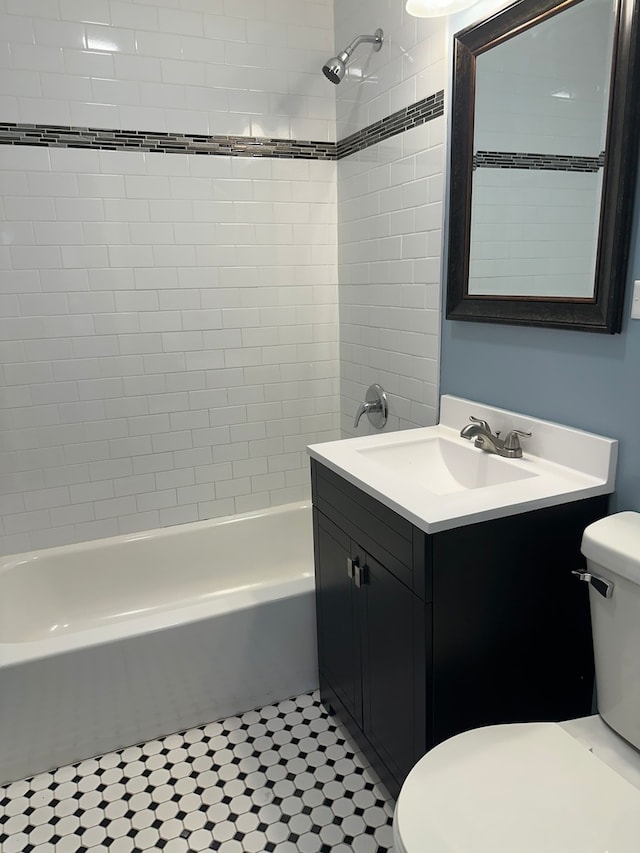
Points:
(334, 69)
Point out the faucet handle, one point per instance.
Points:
(375, 406)
(512, 440)
(481, 422)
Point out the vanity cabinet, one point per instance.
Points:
(423, 636)
(371, 632)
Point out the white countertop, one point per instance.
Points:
(560, 464)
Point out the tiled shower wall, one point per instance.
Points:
(168, 321)
(390, 217)
(247, 67)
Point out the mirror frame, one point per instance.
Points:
(602, 312)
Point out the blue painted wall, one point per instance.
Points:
(585, 380)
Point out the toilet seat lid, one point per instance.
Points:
(521, 787)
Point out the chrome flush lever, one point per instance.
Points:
(604, 587)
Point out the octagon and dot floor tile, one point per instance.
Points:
(278, 779)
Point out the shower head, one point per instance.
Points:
(334, 69)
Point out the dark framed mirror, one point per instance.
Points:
(544, 156)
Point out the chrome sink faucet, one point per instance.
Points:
(490, 442)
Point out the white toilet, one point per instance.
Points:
(570, 787)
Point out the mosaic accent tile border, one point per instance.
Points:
(545, 162)
(104, 139)
(419, 113)
(62, 136)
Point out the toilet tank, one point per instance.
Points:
(612, 549)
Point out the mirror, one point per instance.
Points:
(544, 152)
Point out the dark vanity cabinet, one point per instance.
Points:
(423, 636)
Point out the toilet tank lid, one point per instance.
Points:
(614, 543)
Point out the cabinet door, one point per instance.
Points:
(394, 670)
(338, 605)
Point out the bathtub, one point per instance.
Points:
(108, 643)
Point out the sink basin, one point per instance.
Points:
(439, 481)
(443, 467)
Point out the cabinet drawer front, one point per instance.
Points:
(383, 533)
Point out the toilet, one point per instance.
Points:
(571, 787)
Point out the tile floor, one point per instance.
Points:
(282, 778)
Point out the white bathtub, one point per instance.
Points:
(112, 642)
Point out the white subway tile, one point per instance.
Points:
(169, 441)
(47, 498)
(149, 424)
(134, 301)
(119, 323)
(139, 521)
(178, 515)
(23, 522)
(176, 402)
(82, 256)
(130, 256)
(160, 321)
(214, 473)
(139, 343)
(160, 499)
(153, 462)
(58, 392)
(90, 303)
(139, 484)
(100, 389)
(173, 479)
(216, 509)
(154, 278)
(88, 492)
(147, 232)
(194, 494)
(197, 456)
(115, 507)
(73, 514)
(232, 488)
(96, 529)
(189, 419)
(249, 468)
(135, 446)
(100, 430)
(133, 16)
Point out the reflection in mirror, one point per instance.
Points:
(544, 154)
(539, 137)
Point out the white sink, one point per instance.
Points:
(442, 466)
(438, 480)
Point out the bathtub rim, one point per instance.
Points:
(239, 599)
(8, 561)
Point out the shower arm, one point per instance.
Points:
(375, 39)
